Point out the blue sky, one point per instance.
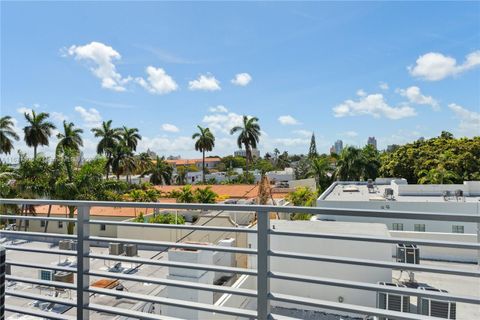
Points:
(396, 71)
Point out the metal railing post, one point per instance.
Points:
(263, 265)
(83, 262)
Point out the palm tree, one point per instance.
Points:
(319, 168)
(205, 142)
(249, 137)
(206, 195)
(130, 137)
(109, 139)
(438, 175)
(160, 173)
(7, 134)
(70, 138)
(38, 131)
(350, 165)
(123, 161)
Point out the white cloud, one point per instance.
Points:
(58, 116)
(23, 110)
(204, 82)
(361, 93)
(469, 120)
(350, 134)
(303, 133)
(158, 81)
(434, 66)
(223, 122)
(170, 127)
(165, 144)
(383, 85)
(414, 95)
(374, 105)
(219, 108)
(288, 120)
(102, 57)
(242, 79)
(91, 117)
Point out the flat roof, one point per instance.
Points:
(360, 192)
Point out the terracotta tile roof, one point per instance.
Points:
(239, 191)
(186, 162)
(99, 211)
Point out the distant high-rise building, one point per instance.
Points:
(372, 141)
(338, 147)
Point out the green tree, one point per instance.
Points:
(205, 142)
(205, 195)
(302, 197)
(130, 138)
(371, 161)
(109, 138)
(320, 169)
(184, 194)
(38, 130)
(249, 136)
(7, 134)
(312, 152)
(350, 165)
(160, 172)
(70, 138)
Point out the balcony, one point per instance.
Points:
(269, 269)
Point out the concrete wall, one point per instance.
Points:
(353, 249)
(469, 188)
(310, 183)
(408, 224)
(439, 253)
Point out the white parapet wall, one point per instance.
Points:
(441, 253)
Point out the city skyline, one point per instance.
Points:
(172, 68)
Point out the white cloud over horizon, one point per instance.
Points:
(168, 127)
(242, 79)
(288, 120)
(414, 95)
(219, 108)
(158, 81)
(204, 82)
(91, 117)
(469, 120)
(374, 105)
(102, 58)
(434, 66)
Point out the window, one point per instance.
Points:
(397, 226)
(42, 223)
(419, 227)
(103, 227)
(458, 229)
(60, 224)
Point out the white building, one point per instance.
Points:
(398, 195)
(285, 175)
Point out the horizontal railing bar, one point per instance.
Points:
(8, 216)
(176, 245)
(175, 264)
(173, 226)
(38, 313)
(40, 266)
(438, 216)
(372, 263)
(344, 307)
(38, 250)
(39, 234)
(40, 297)
(177, 303)
(373, 287)
(176, 283)
(432, 243)
(127, 312)
(46, 283)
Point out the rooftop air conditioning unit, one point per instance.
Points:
(65, 245)
(74, 245)
(3, 270)
(115, 249)
(408, 253)
(45, 274)
(447, 195)
(436, 308)
(392, 301)
(370, 186)
(388, 193)
(131, 250)
(459, 194)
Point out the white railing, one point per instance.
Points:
(263, 295)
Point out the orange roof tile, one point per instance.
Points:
(185, 162)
